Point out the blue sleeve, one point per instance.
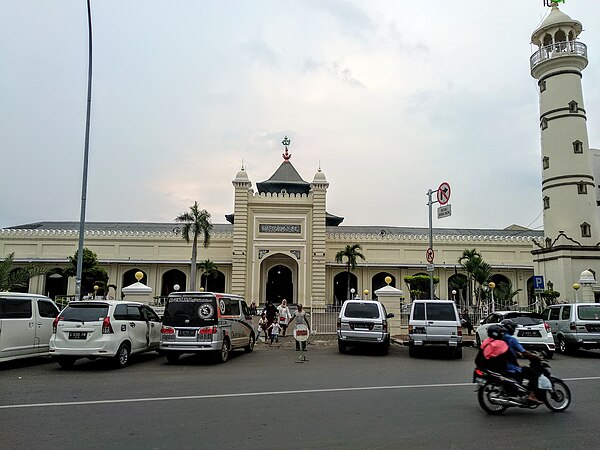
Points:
(515, 345)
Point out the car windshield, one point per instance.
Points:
(525, 318)
(190, 311)
(362, 310)
(440, 311)
(588, 312)
(85, 312)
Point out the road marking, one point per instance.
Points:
(253, 394)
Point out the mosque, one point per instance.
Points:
(281, 242)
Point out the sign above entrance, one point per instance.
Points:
(276, 228)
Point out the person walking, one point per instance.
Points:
(271, 312)
(465, 321)
(274, 329)
(284, 314)
(300, 318)
(262, 326)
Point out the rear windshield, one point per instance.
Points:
(525, 318)
(84, 312)
(362, 310)
(190, 311)
(589, 312)
(440, 311)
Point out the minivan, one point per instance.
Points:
(574, 326)
(25, 325)
(434, 323)
(205, 322)
(363, 322)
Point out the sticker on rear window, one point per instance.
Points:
(205, 311)
(222, 306)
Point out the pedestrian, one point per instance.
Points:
(284, 315)
(465, 321)
(271, 312)
(262, 326)
(300, 318)
(253, 308)
(274, 329)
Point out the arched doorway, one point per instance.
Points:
(340, 287)
(378, 281)
(214, 283)
(459, 284)
(170, 278)
(129, 277)
(279, 280)
(56, 283)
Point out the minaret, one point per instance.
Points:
(568, 191)
(571, 232)
(318, 188)
(243, 188)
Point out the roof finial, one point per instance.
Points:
(552, 3)
(243, 164)
(286, 155)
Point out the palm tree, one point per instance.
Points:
(210, 269)
(196, 223)
(351, 252)
(11, 278)
(469, 261)
(481, 275)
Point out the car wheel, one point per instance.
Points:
(248, 348)
(122, 357)
(385, 348)
(564, 347)
(457, 353)
(66, 362)
(223, 354)
(173, 357)
(341, 346)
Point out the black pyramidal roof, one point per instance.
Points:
(285, 179)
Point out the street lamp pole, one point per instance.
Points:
(85, 160)
(576, 286)
(492, 286)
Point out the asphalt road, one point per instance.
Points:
(268, 399)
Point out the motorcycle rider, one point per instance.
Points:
(512, 366)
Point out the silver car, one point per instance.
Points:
(532, 332)
(363, 322)
(205, 322)
(574, 326)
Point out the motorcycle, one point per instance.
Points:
(496, 392)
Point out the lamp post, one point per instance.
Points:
(352, 291)
(492, 286)
(454, 295)
(366, 294)
(576, 286)
(176, 287)
(95, 291)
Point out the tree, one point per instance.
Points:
(351, 253)
(504, 295)
(91, 273)
(418, 286)
(469, 261)
(481, 275)
(210, 269)
(196, 224)
(12, 278)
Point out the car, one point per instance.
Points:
(206, 323)
(363, 322)
(574, 326)
(434, 323)
(104, 329)
(532, 332)
(25, 325)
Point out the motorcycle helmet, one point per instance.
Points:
(510, 325)
(496, 331)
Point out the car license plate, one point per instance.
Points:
(187, 333)
(592, 327)
(529, 333)
(77, 334)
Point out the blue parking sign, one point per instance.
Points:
(538, 282)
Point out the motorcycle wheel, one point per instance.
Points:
(559, 399)
(483, 395)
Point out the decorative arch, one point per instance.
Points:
(460, 284)
(279, 279)
(340, 286)
(530, 291)
(213, 283)
(129, 277)
(378, 281)
(170, 278)
(55, 283)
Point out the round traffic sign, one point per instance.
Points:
(430, 255)
(443, 193)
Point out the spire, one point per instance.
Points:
(286, 155)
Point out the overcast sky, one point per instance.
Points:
(390, 98)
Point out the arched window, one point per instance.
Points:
(341, 287)
(171, 278)
(378, 281)
(56, 283)
(129, 277)
(459, 284)
(216, 282)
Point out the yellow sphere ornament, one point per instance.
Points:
(366, 292)
(139, 275)
(491, 285)
(388, 280)
(576, 286)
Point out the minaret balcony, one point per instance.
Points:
(557, 50)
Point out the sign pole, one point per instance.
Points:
(430, 204)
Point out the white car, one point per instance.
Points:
(532, 332)
(104, 329)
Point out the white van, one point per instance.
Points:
(25, 325)
(434, 323)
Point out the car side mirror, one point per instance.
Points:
(389, 315)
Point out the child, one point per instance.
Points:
(262, 325)
(274, 328)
